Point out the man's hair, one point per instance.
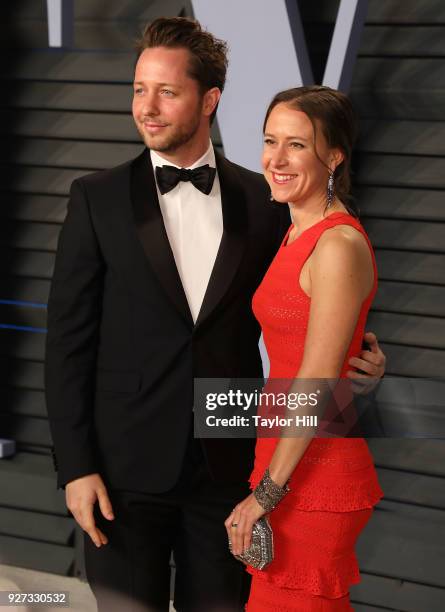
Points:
(208, 54)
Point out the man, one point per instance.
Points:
(157, 263)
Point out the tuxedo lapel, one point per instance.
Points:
(152, 235)
(233, 240)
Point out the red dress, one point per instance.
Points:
(334, 486)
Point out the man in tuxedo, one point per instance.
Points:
(157, 263)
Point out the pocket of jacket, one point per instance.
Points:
(120, 381)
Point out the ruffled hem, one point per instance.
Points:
(264, 597)
(320, 581)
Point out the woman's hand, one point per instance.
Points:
(244, 515)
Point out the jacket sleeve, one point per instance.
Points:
(74, 311)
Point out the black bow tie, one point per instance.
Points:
(202, 178)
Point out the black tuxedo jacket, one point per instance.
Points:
(122, 349)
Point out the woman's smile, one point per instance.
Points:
(282, 179)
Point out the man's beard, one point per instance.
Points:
(172, 142)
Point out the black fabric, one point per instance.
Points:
(122, 350)
(132, 572)
(202, 177)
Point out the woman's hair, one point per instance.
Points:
(333, 112)
(208, 54)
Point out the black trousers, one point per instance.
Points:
(132, 572)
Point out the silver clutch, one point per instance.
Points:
(260, 553)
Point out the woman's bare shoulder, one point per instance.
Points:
(341, 241)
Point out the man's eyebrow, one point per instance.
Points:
(159, 84)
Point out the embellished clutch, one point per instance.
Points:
(260, 553)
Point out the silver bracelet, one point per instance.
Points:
(268, 494)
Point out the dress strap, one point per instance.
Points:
(286, 237)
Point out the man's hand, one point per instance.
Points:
(81, 495)
(372, 365)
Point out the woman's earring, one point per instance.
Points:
(330, 195)
(271, 197)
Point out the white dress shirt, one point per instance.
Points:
(194, 226)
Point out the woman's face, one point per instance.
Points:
(290, 164)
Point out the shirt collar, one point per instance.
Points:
(207, 158)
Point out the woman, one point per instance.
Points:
(312, 305)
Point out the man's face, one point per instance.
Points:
(167, 102)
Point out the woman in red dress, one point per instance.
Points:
(312, 305)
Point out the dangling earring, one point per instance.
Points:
(271, 197)
(330, 194)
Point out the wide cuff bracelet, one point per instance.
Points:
(268, 494)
